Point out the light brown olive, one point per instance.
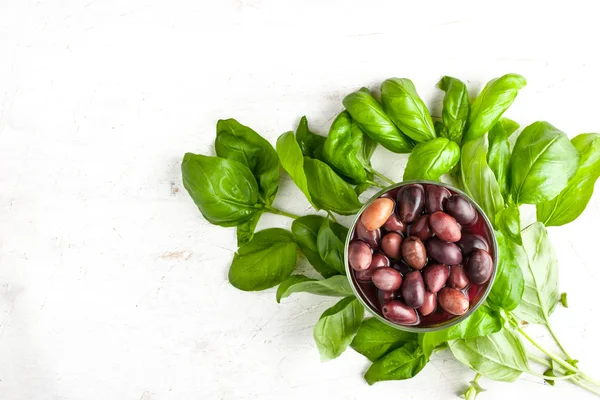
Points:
(435, 198)
(453, 301)
(393, 224)
(359, 255)
(443, 252)
(391, 244)
(435, 277)
(387, 279)
(413, 290)
(414, 253)
(399, 313)
(479, 267)
(371, 238)
(411, 201)
(377, 213)
(458, 277)
(429, 304)
(420, 228)
(444, 226)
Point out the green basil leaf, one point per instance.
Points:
(405, 108)
(403, 363)
(571, 202)
(292, 161)
(265, 261)
(240, 143)
(492, 102)
(311, 144)
(540, 274)
(331, 247)
(508, 287)
(430, 160)
(563, 300)
(455, 109)
(368, 145)
(328, 191)
(225, 191)
(542, 163)
(245, 230)
(375, 339)
(365, 110)
(508, 222)
(337, 327)
(499, 356)
(342, 148)
(337, 286)
(498, 156)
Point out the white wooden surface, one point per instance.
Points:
(112, 286)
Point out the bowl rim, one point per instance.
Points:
(443, 325)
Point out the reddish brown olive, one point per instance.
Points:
(391, 244)
(378, 261)
(453, 301)
(420, 228)
(435, 198)
(399, 313)
(445, 227)
(393, 224)
(480, 267)
(384, 297)
(413, 290)
(458, 277)
(435, 277)
(377, 213)
(429, 304)
(359, 255)
(461, 209)
(371, 238)
(411, 201)
(443, 252)
(414, 253)
(387, 279)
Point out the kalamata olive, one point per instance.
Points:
(391, 194)
(479, 267)
(393, 224)
(453, 301)
(359, 255)
(420, 228)
(387, 279)
(469, 242)
(444, 227)
(391, 244)
(413, 252)
(377, 213)
(429, 304)
(372, 238)
(435, 276)
(399, 313)
(411, 201)
(458, 277)
(384, 297)
(461, 209)
(402, 267)
(435, 197)
(378, 261)
(443, 252)
(413, 290)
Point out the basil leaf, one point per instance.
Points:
(508, 287)
(455, 109)
(508, 221)
(337, 327)
(310, 143)
(337, 286)
(375, 339)
(430, 160)
(492, 102)
(571, 202)
(365, 110)
(328, 191)
(292, 161)
(499, 356)
(368, 145)
(225, 191)
(498, 156)
(265, 261)
(405, 108)
(306, 230)
(342, 148)
(542, 163)
(245, 230)
(400, 364)
(540, 274)
(331, 247)
(239, 143)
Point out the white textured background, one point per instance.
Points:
(112, 286)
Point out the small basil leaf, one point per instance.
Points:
(563, 300)
(337, 286)
(306, 230)
(498, 156)
(430, 160)
(310, 143)
(331, 247)
(265, 261)
(375, 339)
(508, 287)
(245, 230)
(508, 222)
(455, 109)
(342, 148)
(405, 108)
(337, 327)
(403, 363)
(492, 102)
(292, 161)
(225, 191)
(551, 374)
(542, 163)
(365, 110)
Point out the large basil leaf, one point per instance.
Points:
(328, 191)
(343, 147)
(225, 191)
(245, 230)
(498, 156)
(405, 108)
(306, 230)
(311, 144)
(571, 202)
(375, 339)
(455, 109)
(508, 222)
(542, 163)
(240, 143)
(368, 145)
(292, 161)
(400, 364)
(540, 274)
(499, 356)
(331, 247)
(337, 286)
(265, 261)
(430, 160)
(365, 110)
(508, 287)
(494, 99)
(337, 327)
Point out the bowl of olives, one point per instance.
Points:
(421, 256)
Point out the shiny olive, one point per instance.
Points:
(469, 242)
(359, 255)
(372, 238)
(445, 227)
(384, 297)
(480, 267)
(399, 313)
(387, 279)
(411, 201)
(429, 304)
(443, 252)
(391, 194)
(413, 289)
(458, 277)
(435, 277)
(461, 209)
(420, 228)
(453, 301)
(391, 244)
(377, 213)
(393, 224)
(414, 253)
(402, 267)
(435, 198)
(378, 260)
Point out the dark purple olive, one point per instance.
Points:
(413, 252)
(393, 224)
(413, 290)
(435, 197)
(469, 242)
(458, 277)
(391, 244)
(384, 297)
(479, 267)
(429, 304)
(372, 238)
(359, 255)
(387, 279)
(435, 277)
(443, 252)
(402, 267)
(461, 209)
(377, 213)
(399, 313)
(444, 227)
(420, 228)
(453, 301)
(392, 194)
(411, 201)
